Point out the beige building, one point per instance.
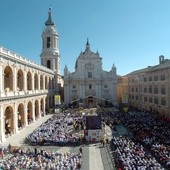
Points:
(90, 85)
(147, 89)
(27, 89)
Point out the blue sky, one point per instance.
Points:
(132, 34)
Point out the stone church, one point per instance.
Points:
(89, 85)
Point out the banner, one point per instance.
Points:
(125, 98)
(57, 99)
(125, 109)
(93, 135)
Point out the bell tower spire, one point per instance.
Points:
(50, 55)
(49, 20)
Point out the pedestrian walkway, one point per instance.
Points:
(95, 160)
(18, 139)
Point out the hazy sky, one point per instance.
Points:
(132, 34)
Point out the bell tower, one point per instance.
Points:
(50, 55)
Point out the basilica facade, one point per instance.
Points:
(89, 85)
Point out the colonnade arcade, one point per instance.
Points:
(16, 79)
(19, 114)
(26, 92)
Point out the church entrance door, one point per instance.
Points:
(90, 101)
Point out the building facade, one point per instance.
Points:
(27, 89)
(148, 89)
(90, 85)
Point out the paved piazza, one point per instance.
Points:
(95, 156)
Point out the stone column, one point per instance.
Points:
(38, 82)
(1, 81)
(43, 82)
(33, 81)
(2, 124)
(44, 106)
(25, 81)
(25, 117)
(15, 119)
(15, 80)
(39, 108)
(47, 83)
(33, 111)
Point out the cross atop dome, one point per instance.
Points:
(87, 45)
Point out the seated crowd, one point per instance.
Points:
(131, 156)
(55, 131)
(41, 159)
(149, 130)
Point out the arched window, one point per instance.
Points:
(48, 64)
(48, 42)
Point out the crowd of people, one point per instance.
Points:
(132, 156)
(41, 159)
(148, 147)
(150, 131)
(55, 131)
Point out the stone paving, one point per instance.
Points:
(18, 139)
(95, 156)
